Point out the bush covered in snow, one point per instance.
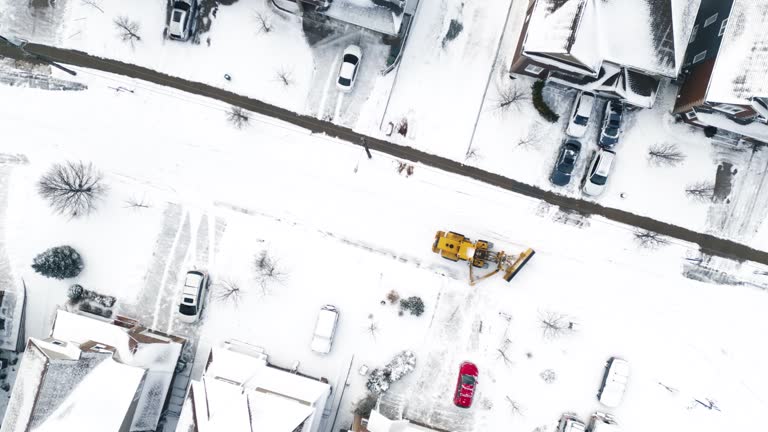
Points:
(401, 365)
(540, 105)
(75, 293)
(59, 262)
(413, 304)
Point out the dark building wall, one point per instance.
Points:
(519, 61)
(707, 38)
(694, 88)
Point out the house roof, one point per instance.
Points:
(742, 61)
(158, 358)
(754, 130)
(649, 35)
(57, 389)
(240, 392)
(379, 423)
(12, 301)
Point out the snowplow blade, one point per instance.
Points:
(519, 263)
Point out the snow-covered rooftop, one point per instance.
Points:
(742, 61)
(758, 131)
(240, 392)
(55, 392)
(158, 359)
(648, 35)
(12, 303)
(379, 423)
(366, 14)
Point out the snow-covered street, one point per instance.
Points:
(346, 230)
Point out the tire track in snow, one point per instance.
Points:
(167, 288)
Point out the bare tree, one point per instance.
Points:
(514, 406)
(136, 203)
(129, 30)
(263, 22)
(649, 239)
(238, 117)
(285, 76)
(701, 191)
(72, 188)
(373, 329)
(665, 154)
(267, 271)
(669, 389)
(228, 291)
(509, 98)
(92, 3)
(532, 138)
(554, 324)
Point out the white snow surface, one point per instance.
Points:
(22, 401)
(742, 59)
(281, 188)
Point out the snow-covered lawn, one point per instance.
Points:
(346, 230)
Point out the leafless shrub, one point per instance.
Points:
(267, 271)
(129, 30)
(92, 3)
(373, 329)
(393, 297)
(554, 324)
(502, 354)
(514, 406)
(238, 117)
(548, 375)
(665, 154)
(284, 76)
(406, 168)
(72, 188)
(649, 239)
(263, 22)
(668, 388)
(402, 127)
(509, 98)
(471, 155)
(136, 203)
(709, 404)
(702, 191)
(228, 291)
(532, 138)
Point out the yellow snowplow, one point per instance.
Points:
(479, 254)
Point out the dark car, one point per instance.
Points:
(611, 129)
(566, 160)
(465, 387)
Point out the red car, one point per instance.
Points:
(465, 387)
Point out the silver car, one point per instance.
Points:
(192, 296)
(181, 19)
(599, 169)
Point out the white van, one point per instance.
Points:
(325, 329)
(614, 382)
(570, 423)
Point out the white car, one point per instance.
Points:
(192, 296)
(614, 382)
(570, 423)
(603, 422)
(181, 19)
(350, 63)
(325, 329)
(582, 109)
(597, 176)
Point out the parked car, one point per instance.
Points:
(611, 129)
(614, 382)
(603, 422)
(181, 19)
(192, 296)
(582, 109)
(350, 63)
(570, 423)
(566, 160)
(325, 329)
(465, 386)
(597, 176)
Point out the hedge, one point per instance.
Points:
(540, 105)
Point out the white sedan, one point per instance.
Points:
(350, 63)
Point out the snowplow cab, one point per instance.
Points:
(454, 246)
